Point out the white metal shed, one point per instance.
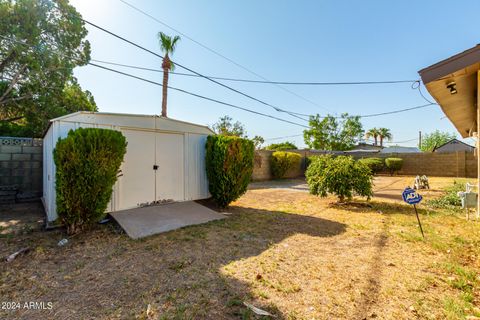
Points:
(165, 158)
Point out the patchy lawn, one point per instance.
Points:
(285, 251)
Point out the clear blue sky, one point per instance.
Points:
(284, 41)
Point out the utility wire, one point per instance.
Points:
(261, 81)
(418, 85)
(410, 140)
(291, 112)
(198, 95)
(285, 137)
(195, 72)
(396, 111)
(220, 55)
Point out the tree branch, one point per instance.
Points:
(12, 119)
(14, 81)
(16, 99)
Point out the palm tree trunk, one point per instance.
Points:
(376, 140)
(381, 141)
(164, 92)
(166, 67)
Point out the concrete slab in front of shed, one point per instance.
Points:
(147, 221)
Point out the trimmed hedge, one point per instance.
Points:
(87, 162)
(394, 164)
(376, 165)
(281, 162)
(229, 162)
(342, 176)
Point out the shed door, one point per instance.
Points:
(170, 159)
(137, 182)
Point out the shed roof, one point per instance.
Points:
(460, 69)
(133, 121)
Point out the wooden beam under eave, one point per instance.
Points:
(478, 143)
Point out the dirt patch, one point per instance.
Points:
(21, 218)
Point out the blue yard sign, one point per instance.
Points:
(411, 196)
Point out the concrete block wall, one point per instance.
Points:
(21, 166)
(454, 164)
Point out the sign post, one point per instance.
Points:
(410, 196)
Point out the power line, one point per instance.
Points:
(260, 81)
(198, 95)
(285, 137)
(294, 114)
(404, 141)
(220, 55)
(300, 114)
(418, 85)
(396, 111)
(195, 72)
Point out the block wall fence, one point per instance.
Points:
(21, 165)
(456, 164)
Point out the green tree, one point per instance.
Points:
(168, 45)
(282, 146)
(384, 133)
(372, 133)
(226, 127)
(435, 139)
(258, 141)
(41, 43)
(332, 133)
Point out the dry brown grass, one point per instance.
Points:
(293, 254)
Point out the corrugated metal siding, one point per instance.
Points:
(197, 183)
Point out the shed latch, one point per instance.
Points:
(155, 167)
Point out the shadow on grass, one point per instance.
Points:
(100, 274)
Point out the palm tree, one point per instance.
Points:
(167, 45)
(372, 133)
(384, 133)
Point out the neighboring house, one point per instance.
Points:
(165, 158)
(453, 146)
(399, 149)
(366, 146)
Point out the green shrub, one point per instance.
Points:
(376, 165)
(342, 176)
(393, 164)
(229, 162)
(450, 199)
(282, 146)
(281, 162)
(87, 162)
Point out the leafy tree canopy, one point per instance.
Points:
(331, 133)
(41, 42)
(226, 127)
(257, 142)
(282, 146)
(435, 139)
